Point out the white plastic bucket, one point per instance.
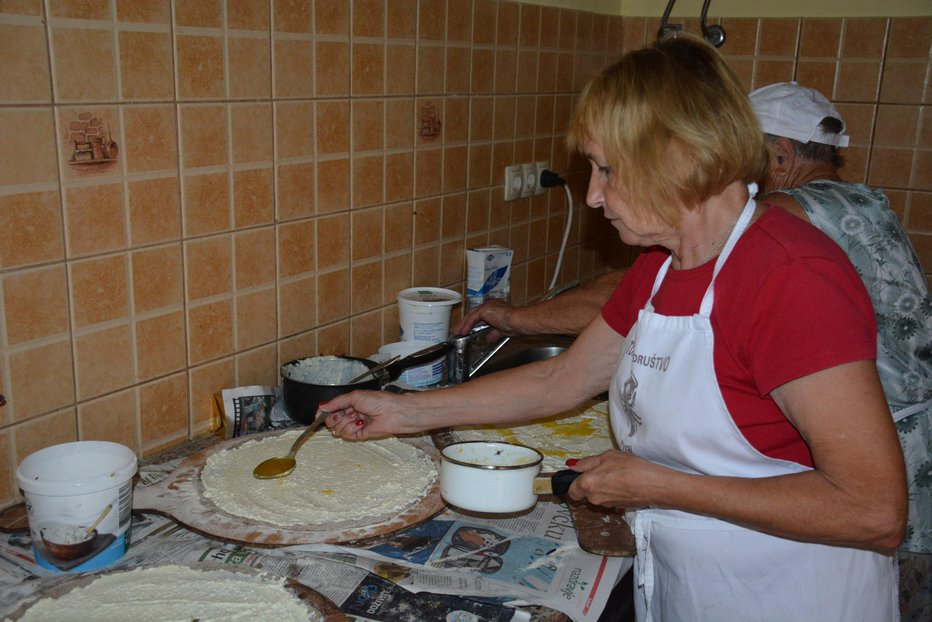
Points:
(68, 487)
(423, 376)
(424, 313)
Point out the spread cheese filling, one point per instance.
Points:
(175, 593)
(335, 481)
(581, 432)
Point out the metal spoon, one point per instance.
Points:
(280, 467)
(372, 370)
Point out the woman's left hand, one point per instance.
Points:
(616, 479)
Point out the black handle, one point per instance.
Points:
(561, 481)
(421, 357)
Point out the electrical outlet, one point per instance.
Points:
(529, 175)
(541, 167)
(514, 182)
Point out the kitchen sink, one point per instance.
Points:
(522, 350)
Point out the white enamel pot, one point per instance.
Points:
(483, 476)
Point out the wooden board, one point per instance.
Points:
(180, 497)
(312, 599)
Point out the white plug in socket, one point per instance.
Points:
(514, 182)
(529, 175)
(541, 167)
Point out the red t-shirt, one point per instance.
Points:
(788, 303)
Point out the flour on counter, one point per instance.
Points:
(584, 431)
(175, 593)
(334, 481)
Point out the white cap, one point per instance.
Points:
(793, 111)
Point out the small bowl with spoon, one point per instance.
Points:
(67, 542)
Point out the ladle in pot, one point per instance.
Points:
(283, 466)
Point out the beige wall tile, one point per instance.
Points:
(368, 17)
(255, 319)
(158, 12)
(366, 292)
(146, 65)
(368, 69)
(154, 211)
(910, 37)
(296, 248)
(210, 331)
(163, 408)
(366, 330)
(332, 185)
(455, 162)
(333, 127)
(258, 367)
(399, 123)
(431, 69)
(199, 61)
(857, 81)
(199, 13)
(8, 489)
(334, 339)
(332, 17)
(252, 132)
(36, 434)
(248, 14)
(75, 49)
(331, 68)
(157, 278)
(31, 223)
(253, 197)
(206, 203)
(482, 70)
(250, 66)
(334, 302)
(864, 37)
(104, 361)
(366, 226)
(81, 9)
(209, 267)
(368, 180)
(29, 138)
(400, 74)
(396, 276)
(295, 191)
(399, 227)
(453, 266)
(427, 221)
(399, 177)
(99, 290)
(428, 167)
(333, 241)
(203, 135)
(426, 266)
(897, 126)
(255, 265)
(431, 20)
(294, 68)
(401, 18)
(368, 124)
(41, 380)
(35, 304)
(529, 26)
(160, 345)
(294, 129)
(903, 82)
(112, 418)
(293, 17)
(151, 138)
(297, 306)
(27, 79)
(95, 219)
(204, 382)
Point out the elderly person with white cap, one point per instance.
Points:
(806, 131)
(759, 465)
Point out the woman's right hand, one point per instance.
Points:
(362, 415)
(495, 313)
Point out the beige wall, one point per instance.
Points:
(281, 170)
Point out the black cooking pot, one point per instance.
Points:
(302, 398)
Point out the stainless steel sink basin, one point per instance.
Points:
(522, 350)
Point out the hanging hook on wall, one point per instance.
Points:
(713, 33)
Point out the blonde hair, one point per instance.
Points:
(674, 123)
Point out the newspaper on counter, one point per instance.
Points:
(249, 410)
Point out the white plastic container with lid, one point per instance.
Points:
(424, 313)
(70, 487)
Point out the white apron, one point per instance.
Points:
(666, 406)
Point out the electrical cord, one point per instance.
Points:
(549, 179)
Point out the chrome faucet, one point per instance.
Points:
(470, 352)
